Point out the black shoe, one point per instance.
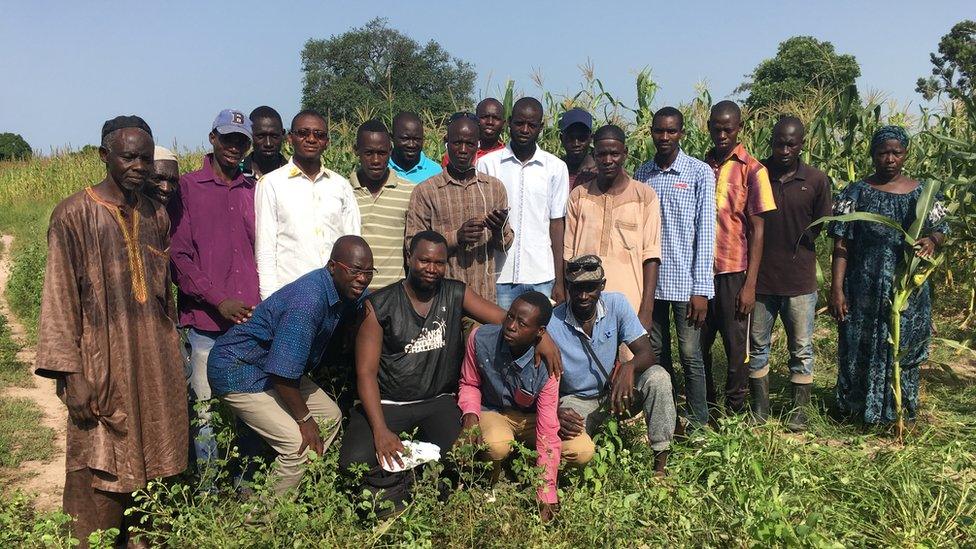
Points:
(797, 421)
(759, 392)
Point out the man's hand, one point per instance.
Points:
(571, 423)
(496, 220)
(838, 304)
(697, 309)
(622, 388)
(547, 351)
(388, 448)
(558, 293)
(745, 302)
(471, 231)
(235, 311)
(80, 399)
(471, 426)
(311, 437)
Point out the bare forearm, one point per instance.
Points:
(756, 235)
(290, 394)
(369, 395)
(646, 311)
(838, 264)
(556, 234)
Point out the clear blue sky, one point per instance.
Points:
(67, 66)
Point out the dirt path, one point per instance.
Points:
(45, 479)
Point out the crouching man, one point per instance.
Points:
(504, 394)
(259, 368)
(588, 329)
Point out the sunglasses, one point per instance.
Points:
(460, 115)
(587, 287)
(357, 273)
(303, 133)
(576, 267)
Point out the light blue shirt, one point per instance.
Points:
(616, 323)
(424, 169)
(686, 191)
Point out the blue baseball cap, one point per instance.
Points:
(232, 121)
(575, 116)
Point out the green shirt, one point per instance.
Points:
(383, 223)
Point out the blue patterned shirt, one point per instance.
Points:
(687, 194)
(286, 336)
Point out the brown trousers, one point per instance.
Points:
(92, 509)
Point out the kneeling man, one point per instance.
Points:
(503, 394)
(589, 328)
(259, 368)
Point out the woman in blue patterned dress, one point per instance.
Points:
(864, 261)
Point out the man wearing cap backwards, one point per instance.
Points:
(588, 329)
(301, 208)
(107, 335)
(575, 133)
(619, 220)
(213, 256)
(164, 184)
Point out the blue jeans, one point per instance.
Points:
(798, 313)
(201, 432)
(689, 352)
(506, 293)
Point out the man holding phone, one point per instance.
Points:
(469, 208)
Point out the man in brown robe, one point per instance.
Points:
(108, 337)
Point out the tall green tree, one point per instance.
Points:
(380, 68)
(801, 63)
(13, 147)
(954, 69)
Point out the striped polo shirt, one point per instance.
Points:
(383, 223)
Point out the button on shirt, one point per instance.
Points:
(741, 190)
(212, 246)
(298, 220)
(425, 168)
(383, 220)
(286, 336)
(789, 260)
(490, 380)
(616, 323)
(686, 191)
(537, 193)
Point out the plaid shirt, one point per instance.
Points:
(686, 191)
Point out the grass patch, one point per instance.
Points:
(21, 436)
(12, 371)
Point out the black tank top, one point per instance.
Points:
(421, 357)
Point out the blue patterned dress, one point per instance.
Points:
(864, 357)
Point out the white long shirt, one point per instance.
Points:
(538, 191)
(297, 220)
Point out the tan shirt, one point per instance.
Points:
(622, 227)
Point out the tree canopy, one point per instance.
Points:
(954, 69)
(13, 147)
(380, 68)
(801, 63)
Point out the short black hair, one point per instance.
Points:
(426, 236)
(528, 103)
(374, 125)
(670, 112)
(540, 302)
(265, 111)
(726, 107)
(309, 112)
(787, 121)
(610, 131)
(406, 116)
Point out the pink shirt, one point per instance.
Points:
(547, 442)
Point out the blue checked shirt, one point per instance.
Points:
(687, 194)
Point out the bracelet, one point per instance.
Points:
(307, 417)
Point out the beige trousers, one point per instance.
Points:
(499, 429)
(267, 415)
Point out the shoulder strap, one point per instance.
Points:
(589, 350)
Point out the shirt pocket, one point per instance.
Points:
(629, 234)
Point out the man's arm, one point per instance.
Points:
(369, 342)
(187, 274)
(469, 391)
(266, 237)
(288, 390)
(352, 222)
(556, 234)
(746, 300)
(623, 376)
(646, 312)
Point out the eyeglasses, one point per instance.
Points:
(587, 287)
(303, 133)
(357, 273)
(464, 114)
(576, 267)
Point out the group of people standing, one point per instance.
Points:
(502, 294)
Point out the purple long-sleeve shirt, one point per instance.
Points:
(212, 246)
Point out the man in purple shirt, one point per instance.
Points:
(212, 252)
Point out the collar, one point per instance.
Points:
(739, 154)
(505, 354)
(295, 171)
(802, 172)
(421, 164)
(601, 311)
(331, 294)
(209, 174)
(445, 179)
(509, 155)
(677, 167)
(247, 166)
(392, 180)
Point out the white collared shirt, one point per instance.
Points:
(297, 220)
(537, 193)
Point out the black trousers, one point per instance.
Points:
(437, 421)
(723, 319)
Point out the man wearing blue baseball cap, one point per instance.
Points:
(575, 133)
(212, 252)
